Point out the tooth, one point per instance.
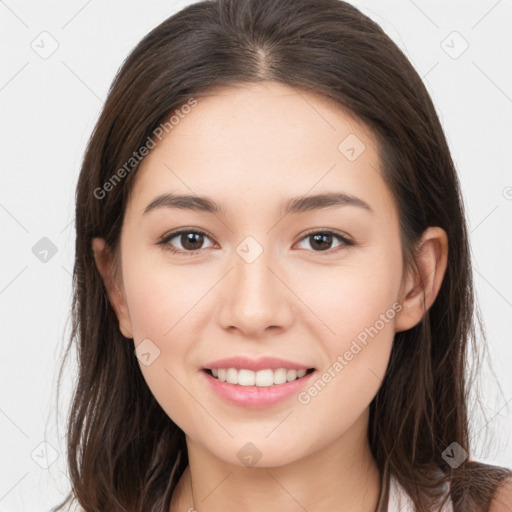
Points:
(246, 377)
(264, 378)
(232, 375)
(291, 375)
(280, 376)
(261, 378)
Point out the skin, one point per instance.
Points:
(250, 149)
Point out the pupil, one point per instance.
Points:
(189, 240)
(323, 237)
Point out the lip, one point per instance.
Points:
(262, 363)
(256, 397)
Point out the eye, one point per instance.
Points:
(323, 239)
(190, 241)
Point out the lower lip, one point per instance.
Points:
(256, 397)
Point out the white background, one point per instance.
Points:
(48, 109)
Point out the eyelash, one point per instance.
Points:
(346, 242)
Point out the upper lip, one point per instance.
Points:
(262, 363)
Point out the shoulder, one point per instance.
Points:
(502, 498)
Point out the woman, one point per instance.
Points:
(273, 291)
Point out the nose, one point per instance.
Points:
(254, 297)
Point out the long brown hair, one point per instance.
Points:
(124, 452)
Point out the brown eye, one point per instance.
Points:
(321, 241)
(191, 241)
(188, 241)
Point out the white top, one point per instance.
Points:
(400, 501)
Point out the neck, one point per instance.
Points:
(341, 476)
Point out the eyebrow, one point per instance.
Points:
(298, 204)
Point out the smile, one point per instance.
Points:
(261, 378)
(255, 391)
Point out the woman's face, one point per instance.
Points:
(270, 275)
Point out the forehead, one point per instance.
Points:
(263, 139)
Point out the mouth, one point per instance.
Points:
(257, 389)
(261, 378)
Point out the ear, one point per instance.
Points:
(106, 267)
(421, 285)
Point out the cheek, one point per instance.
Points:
(161, 297)
(356, 357)
(359, 306)
(155, 312)
(345, 300)
(162, 303)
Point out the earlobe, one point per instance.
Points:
(105, 264)
(423, 282)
